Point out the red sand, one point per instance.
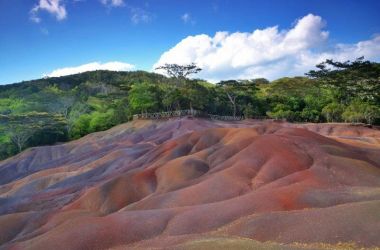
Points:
(167, 183)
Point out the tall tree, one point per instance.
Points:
(76, 111)
(180, 71)
(180, 74)
(171, 98)
(21, 128)
(20, 135)
(143, 97)
(357, 79)
(236, 91)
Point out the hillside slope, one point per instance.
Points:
(194, 183)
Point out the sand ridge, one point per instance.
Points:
(179, 182)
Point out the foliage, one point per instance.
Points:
(357, 79)
(22, 130)
(51, 110)
(359, 111)
(248, 111)
(239, 94)
(180, 71)
(81, 126)
(333, 112)
(143, 97)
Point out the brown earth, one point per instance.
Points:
(197, 184)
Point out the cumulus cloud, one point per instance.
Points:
(113, 3)
(114, 66)
(54, 7)
(269, 52)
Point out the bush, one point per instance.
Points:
(333, 112)
(310, 115)
(81, 126)
(359, 111)
(101, 121)
(248, 111)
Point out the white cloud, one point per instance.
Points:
(114, 66)
(187, 18)
(54, 7)
(139, 15)
(269, 53)
(113, 3)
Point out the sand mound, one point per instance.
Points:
(194, 183)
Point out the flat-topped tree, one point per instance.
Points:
(357, 79)
(180, 72)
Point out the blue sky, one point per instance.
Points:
(227, 38)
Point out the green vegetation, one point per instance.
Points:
(51, 110)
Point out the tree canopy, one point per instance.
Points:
(180, 71)
(58, 109)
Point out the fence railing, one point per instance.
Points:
(186, 112)
(169, 114)
(226, 118)
(198, 113)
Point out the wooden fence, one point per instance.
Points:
(186, 112)
(197, 113)
(226, 118)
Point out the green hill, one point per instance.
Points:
(59, 109)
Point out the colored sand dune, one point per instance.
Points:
(197, 184)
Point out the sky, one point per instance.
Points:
(228, 39)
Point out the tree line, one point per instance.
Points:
(47, 111)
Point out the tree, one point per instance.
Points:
(238, 90)
(357, 79)
(333, 112)
(122, 111)
(258, 81)
(63, 105)
(194, 94)
(371, 113)
(180, 71)
(66, 103)
(359, 111)
(21, 128)
(20, 135)
(101, 121)
(180, 74)
(171, 98)
(292, 86)
(81, 126)
(248, 111)
(143, 97)
(229, 87)
(282, 111)
(77, 110)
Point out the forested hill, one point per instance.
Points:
(49, 110)
(68, 82)
(52, 110)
